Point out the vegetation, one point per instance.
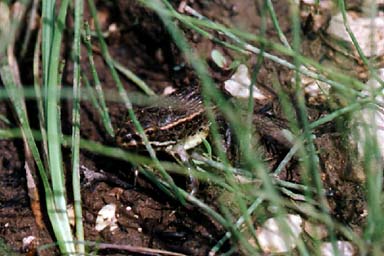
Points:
(242, 205)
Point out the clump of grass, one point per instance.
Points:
(245, 201)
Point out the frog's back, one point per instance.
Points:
(165, 125)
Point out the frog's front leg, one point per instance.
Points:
(179, 152)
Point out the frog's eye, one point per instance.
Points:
(149, 132)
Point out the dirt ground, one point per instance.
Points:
(153, 219)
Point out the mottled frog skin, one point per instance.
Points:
(182, 122)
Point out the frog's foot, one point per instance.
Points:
(179, 152)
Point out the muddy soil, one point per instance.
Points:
(147, 217)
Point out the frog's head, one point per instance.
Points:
(128, 137)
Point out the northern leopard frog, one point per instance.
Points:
(181, 125)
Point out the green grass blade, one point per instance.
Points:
(51, 78)
(38, 95)
(78, 14)
(134, 78)
(101, 104)
(275, 22)
(48, 24)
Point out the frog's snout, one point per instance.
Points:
(128, 139)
